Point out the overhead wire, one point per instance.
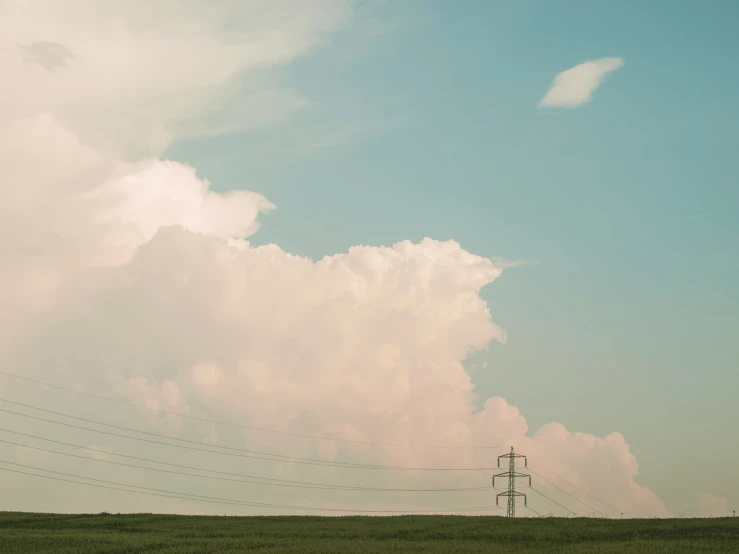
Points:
(249, 478)
(530, 508)
(582, 490)
(552, 500)
(568, 494)
(237, 452)
(266, 456)
(203, 498)
(250, 427)
(169, 463)
(525, 505)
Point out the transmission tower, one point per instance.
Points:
(512, 474)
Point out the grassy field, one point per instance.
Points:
(22, 532)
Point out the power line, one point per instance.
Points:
(132, 430)
(203, 498)
(92, 449)
(263, 481)
(524, 505)
(551, 500)
(581, 490)
(273, 458)
(530, 508)
(250, 427)
(567, 493)
(111, 488)
(269, 456)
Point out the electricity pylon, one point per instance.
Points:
(512, 474)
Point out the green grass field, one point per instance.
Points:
(22, 532)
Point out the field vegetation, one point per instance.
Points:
(61, 534)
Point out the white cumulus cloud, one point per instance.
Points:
(127, 275)
(575, 86)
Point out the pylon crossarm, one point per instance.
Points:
(522, 475)
(512, 493)
(499, 475)
(508, 474)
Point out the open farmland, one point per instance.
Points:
(25, 533)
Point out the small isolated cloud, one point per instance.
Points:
(712, 506)
(575, 86)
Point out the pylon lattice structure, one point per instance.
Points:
(512, 475)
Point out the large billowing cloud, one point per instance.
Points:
(125, 274)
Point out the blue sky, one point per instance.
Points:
(423, 122)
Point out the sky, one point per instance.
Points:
(428, 223)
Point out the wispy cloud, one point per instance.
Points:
(575, 86)
(505, 263)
